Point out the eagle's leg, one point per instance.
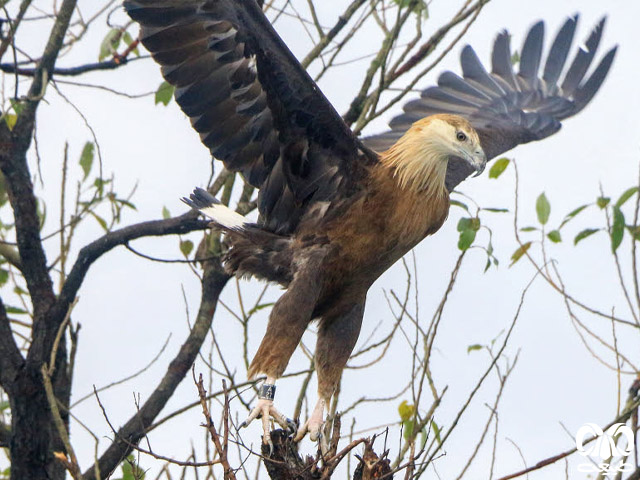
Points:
(337, 335)
(265, 409)
(287, 323)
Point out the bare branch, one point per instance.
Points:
(213, 281)
(112, 64)
(337, 28)
(221, 448)
(548, 461)
(24, 124)
(90, 253)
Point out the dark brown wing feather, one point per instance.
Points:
(505, 107)
(252, 103)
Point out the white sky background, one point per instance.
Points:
(129, 306)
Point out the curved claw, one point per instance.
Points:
(313, 427)
(265, 409)
(314, 424)
(293, 426)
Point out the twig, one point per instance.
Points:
(222, 450)
(72, 465)
(548, 461)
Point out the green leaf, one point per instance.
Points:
(109, 44)
(131, 470)
(4, 405)
(100, 220)
(464, 224)
(473, 347)
(165, 213)
(17, 105)
(423, 438)
(634, 231)
(436, 431)
(125, 203)
(10, 119)
(572, 214)
(128, 40)
(164, 93)
(543, 208)
(467, 228)
(466, 239)
(517, 255)
(100, 183)
(528, 229)
(498, 167)
(617, 229)
(86, 158)
(456, 203)
(587, 232)
(496, 210)
(408, 425)
(627, 194)
(554, 236)
(406, 411)
(4, 276)
(15, 310)
(186, 246)
(515, 58)
(602, 201)
(487, 265)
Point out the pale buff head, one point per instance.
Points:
(420, 157)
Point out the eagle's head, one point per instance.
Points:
(420, 158)
(453, 136)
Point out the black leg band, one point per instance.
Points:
(267, 392)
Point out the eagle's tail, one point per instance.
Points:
(253, 251)
(222, 215)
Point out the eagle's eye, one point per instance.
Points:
(461, 136)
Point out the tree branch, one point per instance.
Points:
(8, 40)
(11, 359)
(337, 28)
(71, 71)
(5, 435)
(13, 162)
(429, 46)
(358, 104)
(90, 253)
(214, 280)
(26, 119)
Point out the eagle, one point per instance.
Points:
(335, 210)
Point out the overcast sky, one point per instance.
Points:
(128, 307)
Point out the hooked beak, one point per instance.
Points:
(478, 160)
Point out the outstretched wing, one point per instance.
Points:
(508, 108)
(252, 103)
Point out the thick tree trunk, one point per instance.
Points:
(34, 435)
